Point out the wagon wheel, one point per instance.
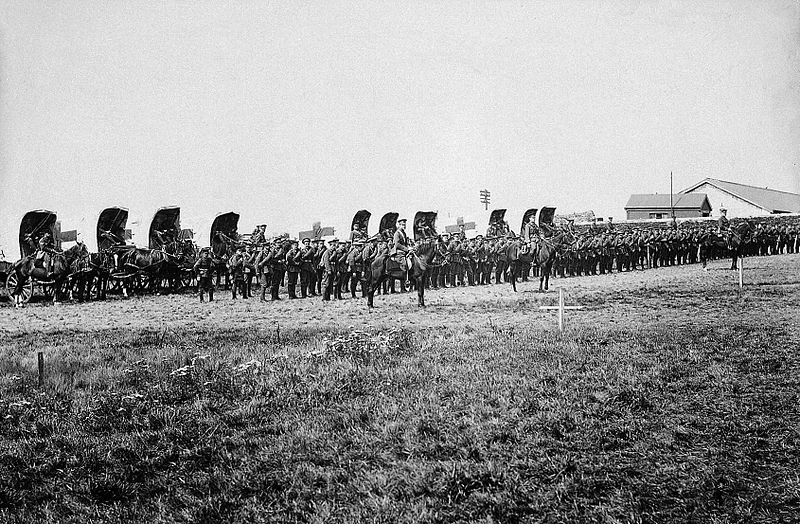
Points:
(3, 292)
(27, 288)
(114, 283)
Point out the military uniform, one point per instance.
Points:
(236, 271)
(277, 263)
(307, 269)
(319, 252)
(328, 263)
(293, 262)
(204, 269)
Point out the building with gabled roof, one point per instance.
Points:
(658, 206)
(742, 200)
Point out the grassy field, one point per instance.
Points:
(672, 398)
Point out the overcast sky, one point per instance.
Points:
(291, 112)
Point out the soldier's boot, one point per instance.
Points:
(211, 295)
(201, 297)
(274, 293)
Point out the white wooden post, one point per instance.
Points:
(741, 273)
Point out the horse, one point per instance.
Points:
(735, 244)
(85, 270)
(57, 270)
(545, 254)
(385, 267)
(155, 265)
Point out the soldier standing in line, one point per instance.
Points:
(277, 263)
(307, 269)
(480, 259)
(236, 270)
(328, 264)
(249, 270)
(204, 269)
(263, 270)
(355, 265)
(512, 255)
(455, 261)
(502, 260)
(293, 262)
(368, 255)
(610, 224)
(342, 281)
(442, 254)
(319, 251)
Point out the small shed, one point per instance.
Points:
(656, 206)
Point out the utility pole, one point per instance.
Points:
(485, 198)
(671, 205)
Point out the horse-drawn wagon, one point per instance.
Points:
(48, 273)
(223, 239)
(111, 235)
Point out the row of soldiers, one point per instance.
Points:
(336, 268)
(602, 251)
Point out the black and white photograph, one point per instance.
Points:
(346, 261)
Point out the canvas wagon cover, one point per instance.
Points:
(227, 224)
(497, 215)
(112, 220)
(546, 215)
(428, 218)
(389, 222)
(36, 223)
(165, 219)
(362, 219)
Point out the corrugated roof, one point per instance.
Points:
(771, 200)
(679, 201)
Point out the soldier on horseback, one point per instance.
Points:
(724, 226)
(401, 246)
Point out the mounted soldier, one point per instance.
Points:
(401, 246)
(724, 226)
(357, 235)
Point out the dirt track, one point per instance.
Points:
(632, 298)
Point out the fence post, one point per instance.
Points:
(741, 272)
(40, 366)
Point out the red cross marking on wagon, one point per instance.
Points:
(457, 227)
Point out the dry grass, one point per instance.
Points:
(665, 402)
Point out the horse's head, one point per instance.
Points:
(79, 250)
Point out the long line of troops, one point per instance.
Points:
(342, 266)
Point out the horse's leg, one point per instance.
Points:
(547, 276)
(420, 279)
(375, 283)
